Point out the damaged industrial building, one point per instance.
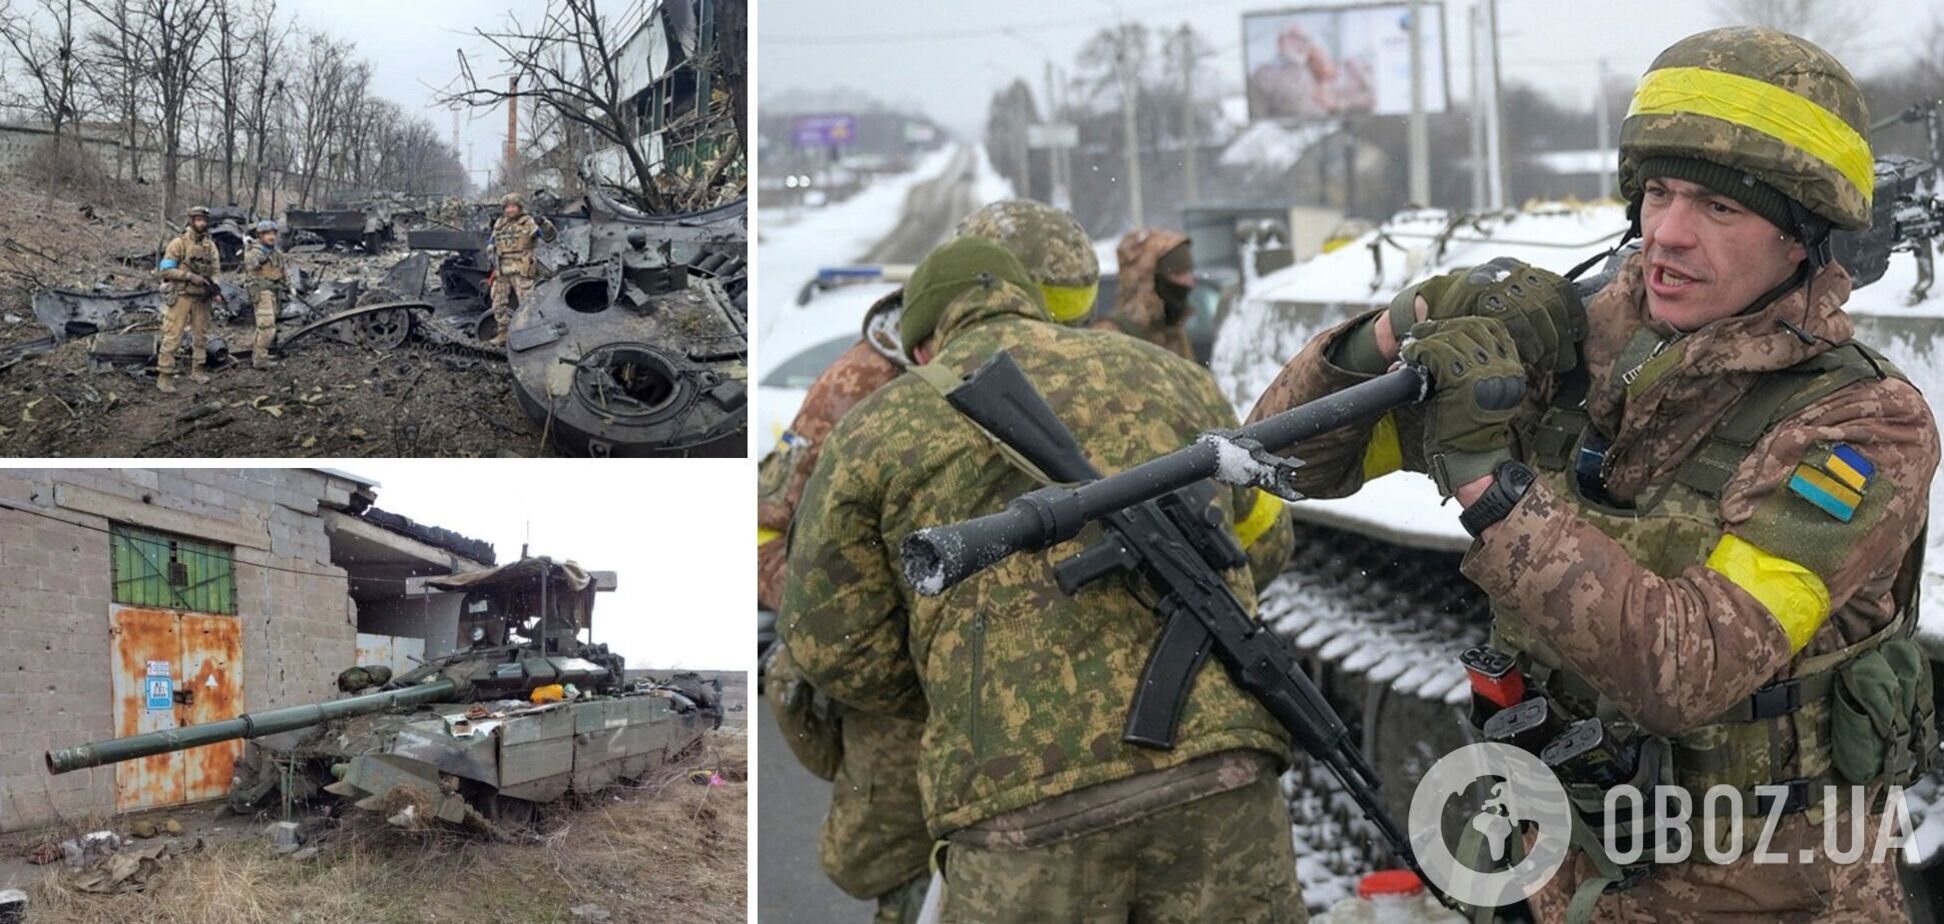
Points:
(273, 638)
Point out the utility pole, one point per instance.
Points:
(1604, 118)
(1189, 136)
(1495, 128)
(1477, 120)
(1419, 139)
(1130, 128)
(1056, 165)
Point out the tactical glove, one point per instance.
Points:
(1477, 381)
(1538, 308)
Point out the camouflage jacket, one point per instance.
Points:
(1675, 651)
(1137, 307)
(264, 268)
(514, 241)
(186, 257)
(1024, 689)
(857, 373)
(874, 836)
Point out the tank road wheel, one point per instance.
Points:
(509, 813)
(383, 330)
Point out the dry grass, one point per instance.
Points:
(664, 849)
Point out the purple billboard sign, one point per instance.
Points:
(823, 131)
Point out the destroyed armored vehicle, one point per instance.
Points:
(480, 737)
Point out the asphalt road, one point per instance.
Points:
(931, 210)
(790, 886)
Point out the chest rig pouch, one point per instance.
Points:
(1857, 715)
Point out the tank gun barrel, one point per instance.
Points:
(249, 725)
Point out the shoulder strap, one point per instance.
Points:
(945, 381)
(1774, 397)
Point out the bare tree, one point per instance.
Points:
(266, 43)
(316, 103)
(1829, 25)
(114, 66)
(49, 59)
(231, 49)
(566, 62)
(172, 39)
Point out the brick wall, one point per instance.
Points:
(55, 594)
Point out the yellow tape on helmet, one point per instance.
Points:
(1764, 107)
(1384, 454)
(1262, 515)
(1794, 595)
(1069, 303)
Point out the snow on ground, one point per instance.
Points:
(796, 242)
(989, 186)
(1284, 310)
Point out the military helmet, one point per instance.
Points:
(265, 225)
(1050, 243)
(513, 198)
(199, 211)
(1780, 113)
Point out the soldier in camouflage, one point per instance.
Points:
(875, 833)
(1151, 300)
(188, 270)
(1702, 522)
(268, 284)
(515, 236)
(1046, 813)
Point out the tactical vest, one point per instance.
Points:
(200, 259)
(268, 275)
(513, 244)
(1675, 525)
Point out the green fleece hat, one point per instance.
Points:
(947, 273)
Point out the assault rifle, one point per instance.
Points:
(1161, 528)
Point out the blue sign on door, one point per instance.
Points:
(161, 693)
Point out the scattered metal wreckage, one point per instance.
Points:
(636, 345)
(478, 738)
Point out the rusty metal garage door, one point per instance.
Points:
(174, 668)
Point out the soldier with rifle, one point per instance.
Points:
(1041, 810)
(1698, 504)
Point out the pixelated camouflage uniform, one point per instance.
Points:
(856, 373)
(873, 841)
(1622, 598)
(187, 256)
(1138, 310)
(268, 283)
(514, 240)
(1024, 689)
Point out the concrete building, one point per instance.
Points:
(134, 600)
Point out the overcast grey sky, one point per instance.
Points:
(686, 595)
(412, 48)
(949, 56)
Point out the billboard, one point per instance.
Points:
(823, 131)
(1325, 62)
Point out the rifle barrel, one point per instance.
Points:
(938, 557)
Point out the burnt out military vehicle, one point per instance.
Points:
(479, 737)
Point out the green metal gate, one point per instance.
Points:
(160, 570)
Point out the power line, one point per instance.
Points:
(5, 505)
(878, 38)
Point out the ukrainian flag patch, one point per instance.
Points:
(1834, 483)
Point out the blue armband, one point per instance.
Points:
(168, 265)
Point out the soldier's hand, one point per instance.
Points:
(1538, 308)
(1477, 383)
